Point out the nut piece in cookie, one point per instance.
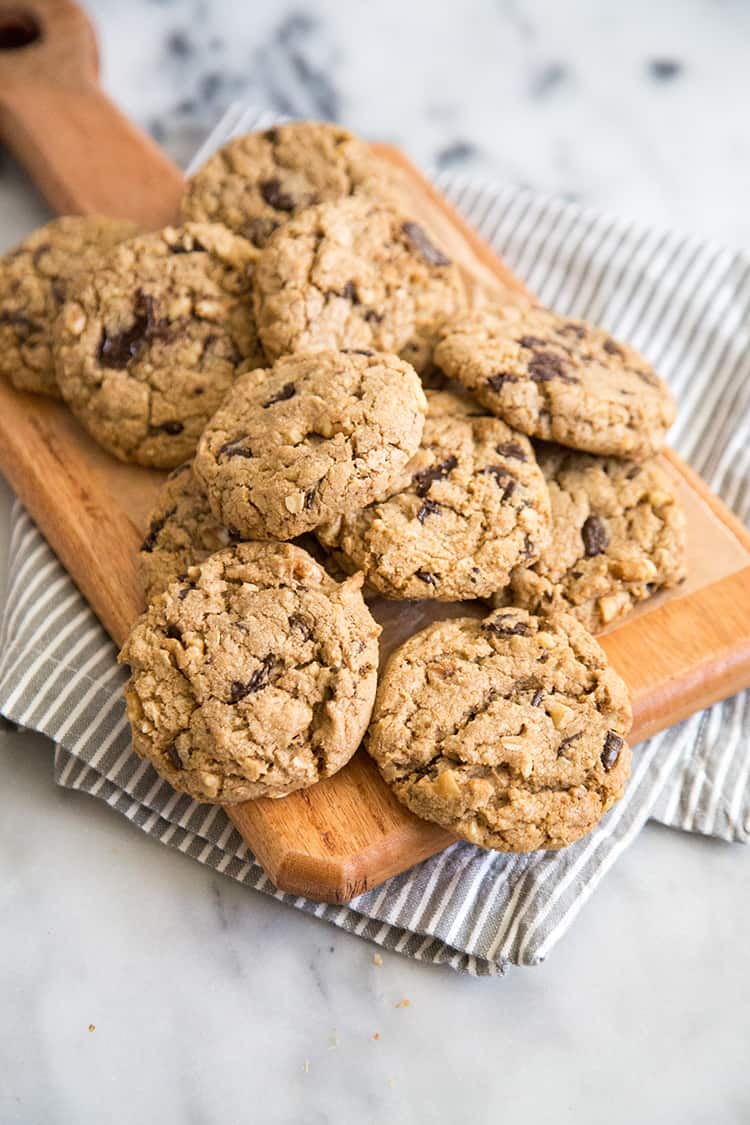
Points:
(509, 731)
(559, 379)
(474, 504)
(148, 345)
(618, 536)
(34, 283)
(316, 435)
(182, 532)
(253, 676)
(257, 182)
(354, 274)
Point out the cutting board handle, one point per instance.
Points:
(94, 161)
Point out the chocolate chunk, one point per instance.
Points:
(271, 135)
(185, 589)
(505, 626)
(511, 449)
(429, 508)
(350, 292)
(421, 243)
(310, 498)
(504, 480)
(257, 681)
(532, 342)
(195, 247)
(495, 382)
(235, 447)
(18, 320)
(537, 697)
(567, 741)
(425, 576)
(171, 428)
(118, 350)
(149, 542)
(300, 625)
(275, 197)
(39, 253)
(595, 536)
(612, 746)
(287, 391)
(611, 347)
(174, 757)
(426, 477)
(235, 536)
(174, 632)
(546, 366)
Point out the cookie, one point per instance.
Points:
(34, 282)
(559, 379)
(253, 677)
(618, 536)
(509, 731)
(354, 274)
(317, 434)
(149, 344)
(474, 505)
(257, 182)
(182, 532)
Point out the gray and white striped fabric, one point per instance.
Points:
(686, 304)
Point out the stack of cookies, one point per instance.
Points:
(343, 426)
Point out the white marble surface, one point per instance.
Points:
(207, 999)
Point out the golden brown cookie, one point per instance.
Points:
(509, 731)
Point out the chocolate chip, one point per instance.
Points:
(149, 542)
(567, 741)
(259, 230)
(116, 351)
(496, 382)
(429, 508)
(537, 697)
(426, 477)
(631, 474)
(505, 626)
(275, 197)
(595, 536)
(235, 536)
(372, 316)
(613, 348)
(300, 625)
(532, 342)
(425, 576)
(503, 479)
(612, 746)
(310, 498)
(357, 351)
(257, 681)
(185, 590)
(421, 243)
(174, 757)
(546, 366)
(235, 447)
(511, 449)
(171, 428)
(287, 391)
(272, 136)
(174, 632)
(573, 574)
(572, 329)
(350, 292)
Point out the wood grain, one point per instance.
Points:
(678, 653)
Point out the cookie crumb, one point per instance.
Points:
(404, 1003)
(376, 1035)
(92, 1027)
(306, 1066)
(377, 959)
(334, 1040)
(391, 1082)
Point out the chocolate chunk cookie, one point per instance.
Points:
(354, 274)
(316, 435)
(149, 344)
(255, 183)
(34, 282)
(618, 536)
(182, 532)
(474, 504)
(559, 379)
(509, 731)
(253, 677)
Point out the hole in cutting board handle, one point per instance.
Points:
(18, 28)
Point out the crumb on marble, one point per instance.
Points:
(333, 1040)
(404, 1003)
(306, 1066)
(376, 1034)
(377, 959)
(92, 1027)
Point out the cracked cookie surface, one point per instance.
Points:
(317, 434)
(34, 283)
(474, 503)
(257, 182)
(354, 274)
(253, 677)
(182, 532)
(618, 536)
(509, 731)
(559, 379)
(148, 346)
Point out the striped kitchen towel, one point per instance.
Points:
(686, 304)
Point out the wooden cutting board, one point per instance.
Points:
(678, 653)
